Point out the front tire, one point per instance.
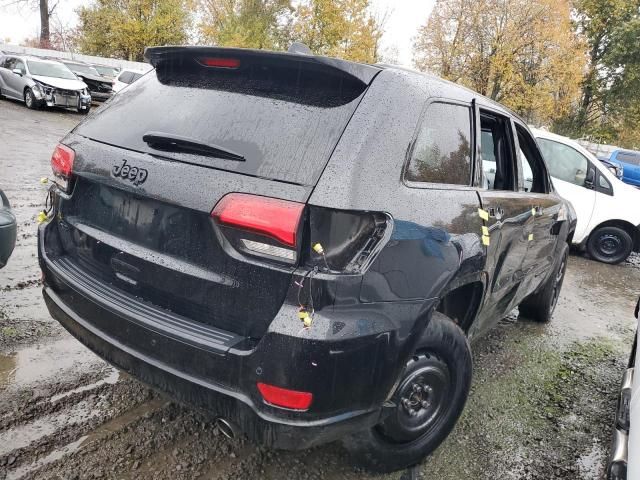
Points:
(539, 306)
(30, 99)
(84, 111)
(429, 399)
(610, 245)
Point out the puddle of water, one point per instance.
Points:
(23, 435)
(100, 432)
(591, 464)
(7, 368)
(110, 379)
(595, 300)
(36, 364)
(52, 457)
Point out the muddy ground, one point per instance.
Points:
(542, 404)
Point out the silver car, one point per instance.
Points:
(624, 459)
(40, 82)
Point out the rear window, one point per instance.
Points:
(284, 121)
(442, 152)
(629, 157)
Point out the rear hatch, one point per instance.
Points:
(207, 124)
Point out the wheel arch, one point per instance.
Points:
(461, 301)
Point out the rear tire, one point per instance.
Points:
(539, 306)
(429, 399)
(610, 245)
(85, 111)
(30, 99)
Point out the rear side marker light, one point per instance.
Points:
(219, 62)
(285, 398)
(62, 165)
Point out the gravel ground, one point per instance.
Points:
(542, 403)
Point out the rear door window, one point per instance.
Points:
(283, 120)
(496, 150)
(629, 157)
(442, 151)
(532, 167)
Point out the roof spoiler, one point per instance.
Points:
(363, 72)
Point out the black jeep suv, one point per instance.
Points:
(302, 245)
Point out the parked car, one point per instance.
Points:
(126, 77)
(624, 459)
(8, 230)
(617, 170)
(629, 162)
(608, 216)
(101, 88)
(40, 82)
(107, 71)
(263, 244)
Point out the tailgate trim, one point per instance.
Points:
(141, 313)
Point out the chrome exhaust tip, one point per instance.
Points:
(227, 428)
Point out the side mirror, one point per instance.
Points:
(590, 179)
(17, 71)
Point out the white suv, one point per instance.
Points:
(608, 215)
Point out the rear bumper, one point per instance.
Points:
(262, 427)
(350, 372)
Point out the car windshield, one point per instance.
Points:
(50, 69)
(78, 67)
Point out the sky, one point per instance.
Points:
(403, 17)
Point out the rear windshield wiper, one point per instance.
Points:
(169, 142)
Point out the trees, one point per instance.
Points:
(522, 53)
(339, 28)
(608, 110)
(123, 28)
(245, 23)
(45, 11)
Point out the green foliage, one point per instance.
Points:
(339, 28)
(245, 23)
(123, 28)
(522, 53)
(608, 110)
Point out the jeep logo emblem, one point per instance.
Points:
(134, 174)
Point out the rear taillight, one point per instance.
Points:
(285, 398)
(262, 226)
(62, 166)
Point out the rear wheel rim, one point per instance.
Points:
(610, 245)
(422, 401)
